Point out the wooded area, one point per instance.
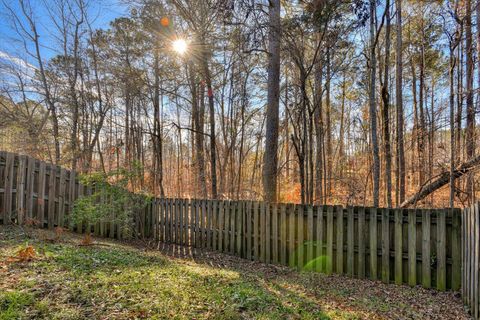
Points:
(354, 102)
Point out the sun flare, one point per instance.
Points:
(180, 46)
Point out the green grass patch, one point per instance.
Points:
(116, 281)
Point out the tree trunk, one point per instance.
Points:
(270, 158)
(211, 107)
(373, 108)
(400, 157)
(442, 180)
(470, 131)
(385, 113)
(318, 134)
(198, 133)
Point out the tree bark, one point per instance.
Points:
(270, 158)
(470, 131)
(400, 158)
(373, 108)
(211, 107)
(385, 113)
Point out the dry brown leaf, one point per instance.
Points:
(87, 240)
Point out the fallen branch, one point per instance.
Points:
(441, 180)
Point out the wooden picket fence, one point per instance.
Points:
(470, 258)
(412, 246)
(434, 248)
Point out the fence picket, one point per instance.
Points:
(221, 224)
(262, 232)
(300, 237)
(441, 251)
(21, 180)
(339, 240)
(233, 213)
(386, 245)
(329, 258)
(426, 250)
(268, 233)
(41, 193)
(51, 195)
(214, 225)
(29, 188)
(249, 230)
(239, 227)
(20, 188)
(291, 235)
(398, 247)
(8, 188)
(310, 238)
(61, 198)
(373, 243)
(283, 234)
(361, 243)
(275, 233)
(456, 249)
(319, 241)
(350, 242)
(412, 248)
(256, 230)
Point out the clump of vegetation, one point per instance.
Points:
(111, 200)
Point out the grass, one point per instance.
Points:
(113, 280)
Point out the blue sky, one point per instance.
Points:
(11, 49)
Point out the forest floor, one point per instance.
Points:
(119, 280)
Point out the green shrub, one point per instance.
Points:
(110, 199)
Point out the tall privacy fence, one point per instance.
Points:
(403, 246)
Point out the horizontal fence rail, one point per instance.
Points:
(402, 246)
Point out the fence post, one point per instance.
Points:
(283, 234)
(386, 245)
(21, 179)
(373, 243)
(441, 251)
(361, 243)
(350, 242)
(8, 188)
(320, 254)
(398, 246)
(412, 247)
(339, 240)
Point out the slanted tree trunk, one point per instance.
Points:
(442, 180)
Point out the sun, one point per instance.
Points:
(180, 46)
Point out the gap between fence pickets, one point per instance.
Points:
(393, 245)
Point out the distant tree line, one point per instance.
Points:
(356, 102)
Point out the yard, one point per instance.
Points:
(119, 280)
